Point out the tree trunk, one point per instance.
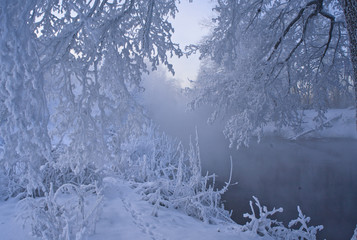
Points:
(350, 11)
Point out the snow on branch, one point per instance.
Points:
(262, 224)
(266, 61)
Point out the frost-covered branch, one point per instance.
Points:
(267, 61)
(262, 224)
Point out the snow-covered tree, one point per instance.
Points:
(266, 60)
(72, 66)
(24, 113)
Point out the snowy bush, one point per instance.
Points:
(12, 186)
(55, 172)
(168, 175)
(58, 175)
(261, 224)
(70, 212)
(149, 156)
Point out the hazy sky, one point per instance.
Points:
(189, 29)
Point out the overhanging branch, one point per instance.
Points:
(291, 24)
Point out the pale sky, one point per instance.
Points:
(189, 29)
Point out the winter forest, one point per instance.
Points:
(178, 119)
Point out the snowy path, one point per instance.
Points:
(126, 216)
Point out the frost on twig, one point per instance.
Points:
(304, 231)
(262, 224)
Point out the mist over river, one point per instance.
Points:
(319, 175)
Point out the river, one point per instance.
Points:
(319, 175)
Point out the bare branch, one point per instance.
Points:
(332, 23)
(256, 13)
(148, 24)
(291, 24)
(302, 37)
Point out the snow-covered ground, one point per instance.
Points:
(126, 216)
(10, 228)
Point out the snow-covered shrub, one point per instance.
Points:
(304, 231)
(166, 174)
(150, 156)
(261, 224)
(10, 184)
(70, 212)
(57, 174)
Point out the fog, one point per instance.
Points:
(319, 175)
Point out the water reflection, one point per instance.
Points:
(319, 175)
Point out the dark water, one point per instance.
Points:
(319, 175)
